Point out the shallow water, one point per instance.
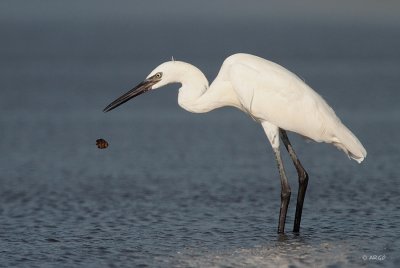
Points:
(180, 189)
(199, 197)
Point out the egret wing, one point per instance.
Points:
(270, 93)
(279, 98)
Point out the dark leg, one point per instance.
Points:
(303, 180)
(285, 192)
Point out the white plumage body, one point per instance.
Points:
(269, 93)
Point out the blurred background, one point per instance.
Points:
(180, 189)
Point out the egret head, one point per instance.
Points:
(164, 74)
(167, 73)
(159, 77)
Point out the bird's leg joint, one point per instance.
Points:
(285, 194)
(303, 178)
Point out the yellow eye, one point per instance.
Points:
(158, 75)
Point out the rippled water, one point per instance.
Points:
(186, 190)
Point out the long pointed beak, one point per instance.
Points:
(136, 91)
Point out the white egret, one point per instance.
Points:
(271, 95)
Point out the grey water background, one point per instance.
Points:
(191, 190)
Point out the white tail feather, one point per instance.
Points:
(346, 141)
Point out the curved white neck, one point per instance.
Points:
(196, 95)
(194, 85)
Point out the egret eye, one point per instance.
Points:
(158, 75)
